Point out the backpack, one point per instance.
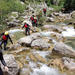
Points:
(44, 10)
(32, 18)
(4, 37)
(25, 25)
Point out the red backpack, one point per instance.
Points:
(25, 26)
(4, 37)
(44, 9)
(32, 18)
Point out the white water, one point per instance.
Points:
(15, 30)
(45, 70)
(43, 53)
(70, 32)
(47, 34)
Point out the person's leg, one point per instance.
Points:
(36, 24)
(5, 43)
(1, 42)
(26, 31)
(1, 72)
(44, 13)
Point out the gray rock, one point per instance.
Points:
(15, 46)
(26, 41)
(40, 43)
(35, 35)
(53, 27)
(69, 63)
(73, 14)
(11, 63)
(50, 19)
(25, 71)
(63, 49)
(12, 24)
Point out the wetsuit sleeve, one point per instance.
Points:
(2, 59)
(10, 39)
(23, 26)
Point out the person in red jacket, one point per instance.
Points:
(35, 21)
(4, 40)
(44, 11)
(32, 19)
(27, 28)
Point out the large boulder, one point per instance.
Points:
(35, 35)
(15, 46)
(73, 14)
(12, 65)
(50, 19)
(25, 71)
(12, 24)
(40, 44)
(61, 48)
(26, 41)
(53, 27)
(69, 63)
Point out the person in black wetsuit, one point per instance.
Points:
(5, 37)
(3, 62)
(27, 28)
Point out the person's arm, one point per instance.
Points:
(3, 61)
(10, 39)
(23, 27)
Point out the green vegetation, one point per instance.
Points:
(7, 6)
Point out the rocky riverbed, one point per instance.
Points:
(46, 51)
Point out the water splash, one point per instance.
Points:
(15, 30)
(47, 34)
(70, 32)
(44, 70)
(42, 53)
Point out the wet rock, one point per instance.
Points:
(12, 24)
(40, 43)
(11, 63)
(40, 58)
(25, 71)
(55, 13)
(63, 49)
(35, 29)
(32, 57)
(57, 37)
(50, 19)
(25, 41)
(69, 63)
(56, 62)
(15, 46)
(35, 35)
(21, 50)
(53, 27)
(73, 14)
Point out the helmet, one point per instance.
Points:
(35, 18)
(6, 33)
